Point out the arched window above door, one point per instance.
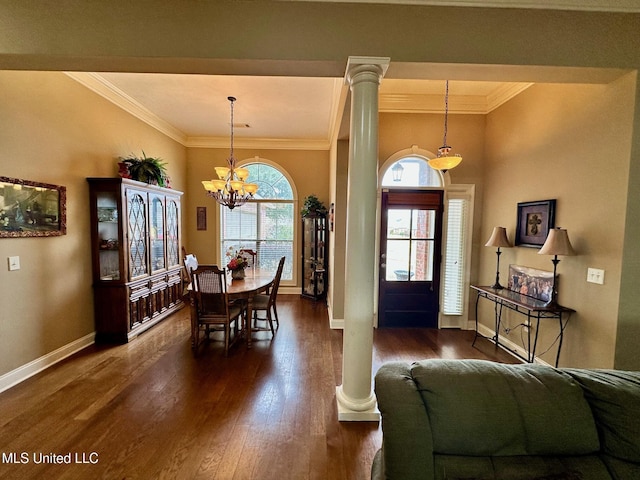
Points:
(409, 168)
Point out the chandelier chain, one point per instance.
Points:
(231, 158)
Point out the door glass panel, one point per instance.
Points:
(398, 260)
(399, 223)
(422, 260)
(410, 237)
(423, 223)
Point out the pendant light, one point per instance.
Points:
(445, 160)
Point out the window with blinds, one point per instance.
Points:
(265, 224)
(454, 267)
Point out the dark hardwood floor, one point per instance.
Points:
(150, 410)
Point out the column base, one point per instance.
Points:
(347, 412)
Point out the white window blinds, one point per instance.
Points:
(454, 268)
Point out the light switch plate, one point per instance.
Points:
(14, 263)
(595, 275)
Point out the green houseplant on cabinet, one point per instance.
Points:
(151, 170)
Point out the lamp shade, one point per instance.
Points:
(557, 243)
(498, 238)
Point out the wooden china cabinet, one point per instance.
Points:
(135, 247)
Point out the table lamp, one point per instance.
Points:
(498, 239)
(557, 243)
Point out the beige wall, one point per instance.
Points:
(571, 143)
(54, 130)
(307, 170)
(279, 38)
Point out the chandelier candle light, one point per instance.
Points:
(498, 239)
(230, 189)
(557, 243)
(445, 160)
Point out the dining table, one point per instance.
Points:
(246, 289)
(242, 289)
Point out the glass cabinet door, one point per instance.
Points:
(108, 235)
(156, 233)
(137, 226)
(173, 240)
(308, 257)
(320, 254)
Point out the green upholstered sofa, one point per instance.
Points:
(474, 419)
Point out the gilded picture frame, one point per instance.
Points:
(32, 209)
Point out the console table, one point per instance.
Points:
(532, 308)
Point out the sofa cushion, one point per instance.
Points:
(477, 407)
(531, 467)
(614, 397)
(621, 469)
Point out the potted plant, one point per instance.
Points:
(313, 207)
(150, 170)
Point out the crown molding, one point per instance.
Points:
(458, 104)
(505, 93)
(255, 143)
(107, 90)
(624, 6)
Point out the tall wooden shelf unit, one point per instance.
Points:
(135, 247)
(314, 256)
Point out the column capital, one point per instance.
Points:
(375, 65)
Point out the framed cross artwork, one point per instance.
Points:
(535, 219)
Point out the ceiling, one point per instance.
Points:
(309, 112)
(277, 112)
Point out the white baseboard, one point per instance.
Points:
(27, 370)
(288, 290)
(507, 344)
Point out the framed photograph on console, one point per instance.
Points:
(535, 219)
(32, 209)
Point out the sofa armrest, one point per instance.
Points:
(407, 449)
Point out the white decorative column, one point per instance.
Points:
(356, 401)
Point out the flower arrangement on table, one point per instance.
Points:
(237, 263)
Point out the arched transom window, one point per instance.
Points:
(411, 171)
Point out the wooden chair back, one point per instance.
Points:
(211, 305)
(276, 282)
(251, 256)
(190, 263)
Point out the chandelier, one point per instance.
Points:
(230, 189)
(445, 160)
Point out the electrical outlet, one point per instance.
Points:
(14, 263)
(595, 275)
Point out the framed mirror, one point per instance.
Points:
(31, 209)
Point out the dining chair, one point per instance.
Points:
(267, 302)
(251, 256)
(190, 263)
(211, 308)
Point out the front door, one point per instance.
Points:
(410, 254)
